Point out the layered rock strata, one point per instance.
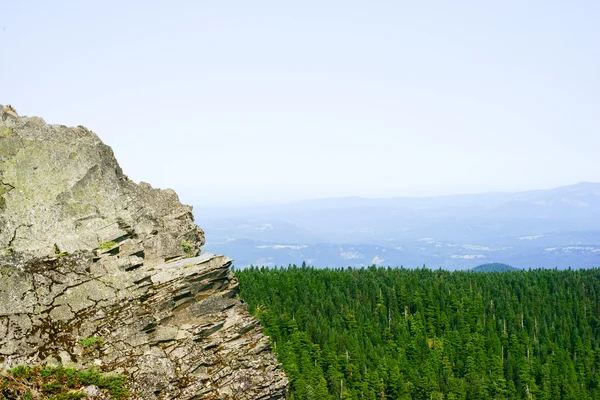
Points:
(96, 270)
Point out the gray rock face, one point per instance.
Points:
(61, 189)
(97, 272)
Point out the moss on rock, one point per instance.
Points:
(57, 383)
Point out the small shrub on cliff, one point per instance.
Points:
(188, 249)
(59, 253)
(58, 383)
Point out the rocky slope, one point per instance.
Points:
(96, 270)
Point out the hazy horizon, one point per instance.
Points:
(246, 103)
(408, 196)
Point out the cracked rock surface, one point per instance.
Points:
(93, 274)
(61, 189)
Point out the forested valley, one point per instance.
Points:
(387, 333)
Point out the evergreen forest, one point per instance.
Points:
(394, 333)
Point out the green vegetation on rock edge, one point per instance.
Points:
(58, 383)
(106, 245)
(92, 341)
(382, 333)
(188, 249)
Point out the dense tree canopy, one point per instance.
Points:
(383, 333)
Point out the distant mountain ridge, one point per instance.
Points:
(494, 267)
(485, 199)
(549, 228)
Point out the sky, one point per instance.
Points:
(236, 102)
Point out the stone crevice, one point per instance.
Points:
(10, 186)
(14, 235)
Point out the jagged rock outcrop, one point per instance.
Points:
(96, 270)
(62, 190)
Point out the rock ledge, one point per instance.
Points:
(96, 270)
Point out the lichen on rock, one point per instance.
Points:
(62, 187)
(86, 254)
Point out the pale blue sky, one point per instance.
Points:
(265, 101)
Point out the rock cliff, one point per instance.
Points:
(96, 270)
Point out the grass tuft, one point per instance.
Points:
(92, 341)
(107, 245)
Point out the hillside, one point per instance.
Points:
(421, 334)
(494, 267)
